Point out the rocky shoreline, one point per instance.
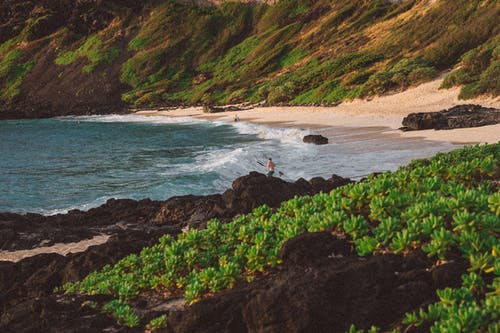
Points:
(317, 268)
(321, 278)
(26, 286)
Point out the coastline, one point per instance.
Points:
(385, 113)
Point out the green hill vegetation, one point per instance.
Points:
(295, 51)
(447, 205)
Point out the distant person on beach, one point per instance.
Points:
(270, 167)
(236, 118)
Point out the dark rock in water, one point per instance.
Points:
(460, 116)
(316, 139)
(321, 287)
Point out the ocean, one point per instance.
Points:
(54, 165)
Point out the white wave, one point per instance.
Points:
(117, 118)
(214, 160)
(264, 132)
(83, 207)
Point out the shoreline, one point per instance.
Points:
(384, 112)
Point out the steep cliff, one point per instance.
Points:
(101, 56)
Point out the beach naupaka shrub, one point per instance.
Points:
(445, 205)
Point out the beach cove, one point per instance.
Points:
(382, 115)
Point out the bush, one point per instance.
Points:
(282, 93)
(378, 84)
(291, 58)
(479, 72)
(138, 43)
(457, 77)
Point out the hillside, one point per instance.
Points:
(101, 56)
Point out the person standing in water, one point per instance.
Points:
(270, 167)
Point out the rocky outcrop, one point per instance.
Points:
(211, 109)
(115, 216)
(316, 139)
(460, 116)
(51, 90)
(207, 108)
(124, 216)
(247, 193)
(26, 287)
(322, 286)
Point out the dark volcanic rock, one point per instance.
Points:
(31, 230)
(316, 139)
(321, 287)
(459, 116)
(247, 193)
(26, 287)
(59, 314)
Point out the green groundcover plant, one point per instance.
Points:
(446, 204)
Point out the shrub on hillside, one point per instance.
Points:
(282, 93)
(94, 50)
(479, 72)
(12, 73)
(378, 84)
(406, 72)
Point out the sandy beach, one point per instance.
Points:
(59, 248)
(385, 112)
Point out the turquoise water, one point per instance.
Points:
(54, 165)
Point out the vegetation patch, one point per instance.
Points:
(94, 50)
(157, 323)
(403, 74)
(247, 52)
(122, 312)
(446, 205)
(12, 73)
(293, 51)
(478, 71)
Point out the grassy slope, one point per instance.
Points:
(448, 205)
(296, 51)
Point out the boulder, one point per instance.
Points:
(460, 116)
(316, 139)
